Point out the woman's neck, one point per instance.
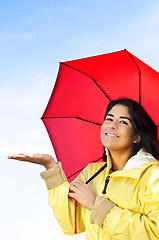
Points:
(119, 159)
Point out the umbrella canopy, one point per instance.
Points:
(83, 89)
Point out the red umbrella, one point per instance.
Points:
(78, 102)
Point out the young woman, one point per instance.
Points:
(122, 201)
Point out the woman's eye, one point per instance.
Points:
(109, 119)
(124, 122)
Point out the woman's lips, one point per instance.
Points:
(111, 135)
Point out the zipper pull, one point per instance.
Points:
(106, 183)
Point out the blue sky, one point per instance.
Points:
(34, 37)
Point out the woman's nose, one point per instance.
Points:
(112, 125)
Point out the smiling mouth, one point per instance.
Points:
(111, 135)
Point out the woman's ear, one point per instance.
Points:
(137, 139)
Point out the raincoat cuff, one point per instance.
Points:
(100, 210)
(54, 176)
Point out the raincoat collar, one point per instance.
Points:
(137, 160)
(134, 166)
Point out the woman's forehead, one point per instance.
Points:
(119, 110)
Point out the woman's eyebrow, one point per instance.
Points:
(111, 115)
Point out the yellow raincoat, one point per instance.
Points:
(135, 192)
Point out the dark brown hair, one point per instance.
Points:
(143, 125)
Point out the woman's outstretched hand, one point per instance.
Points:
(43, 159)
(81, 192)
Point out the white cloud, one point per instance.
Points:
(16, 36)
(7, 38)
(21, 110)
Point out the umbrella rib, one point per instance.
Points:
(83, 168)
(139, 75)
(75, 118)
(89, 77)
(88, 121)
(101, 89)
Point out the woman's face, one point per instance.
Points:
(117, 133)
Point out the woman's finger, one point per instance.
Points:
(72, 195)
(73, 188)
(78, 183)
(20, 157)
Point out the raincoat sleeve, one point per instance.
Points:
(63, 207)
(101, 208)
(141, 219)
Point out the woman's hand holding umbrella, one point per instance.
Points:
(81, 192)
(43, 159)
